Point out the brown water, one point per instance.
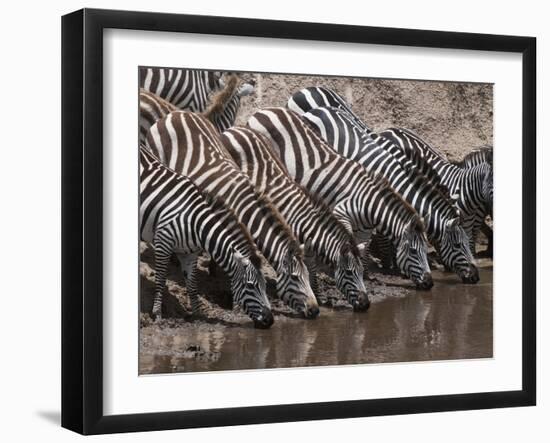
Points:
(452, 321)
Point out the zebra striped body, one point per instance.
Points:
(374, 154)
(473, 186)
(312, 222)
(318, 97)
(184, 88)
(190, 145)
(175, 217)
(151, 109)
(360, 200)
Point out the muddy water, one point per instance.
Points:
(452, 321)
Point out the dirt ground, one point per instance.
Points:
(454, 117)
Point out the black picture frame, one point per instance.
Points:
(82, 218)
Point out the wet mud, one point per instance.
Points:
(451, 321)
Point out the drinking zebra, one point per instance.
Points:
(189, 144)
(472, 186)
(359, 199)
(374, 154)
(311, 221)
(483, 154)
(176, 217)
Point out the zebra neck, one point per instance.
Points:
(324, 236)
(270, 240)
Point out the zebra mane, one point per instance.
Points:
(217, 204)
(422, 166)
(482, 154)
(322, 210)
(383, 184)
(220, 99)
(275, 219)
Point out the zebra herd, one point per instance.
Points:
(303, 185)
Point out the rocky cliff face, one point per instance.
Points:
(454, 117)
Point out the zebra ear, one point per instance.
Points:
(452, 223)
(238, 255)
(245, 261)
(245, 89)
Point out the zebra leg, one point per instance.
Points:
(311, 264)
(163, 252)
(364, 237)
(188, 264)
(488, 232)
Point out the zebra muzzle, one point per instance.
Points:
(471, 276)
(362, 303)
(426, 282)
(264, 320)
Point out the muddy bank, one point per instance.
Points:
(454, 117)
(452, 321)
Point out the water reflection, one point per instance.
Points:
(452, 321)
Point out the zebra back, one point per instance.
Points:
(151, 109)
(314, 97)
(338, 129)
(184, 88)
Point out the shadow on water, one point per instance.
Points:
(452, 321)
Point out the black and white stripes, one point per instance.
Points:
(176, 218)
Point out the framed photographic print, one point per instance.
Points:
(271, 221)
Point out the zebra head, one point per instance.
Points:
(412, 254)
(455, 252)
(349, 277)
(248, 288)
(293, 286)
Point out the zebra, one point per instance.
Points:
(222, 111)
(184, 88)
(416, 179)
(370, 151)
(362, 201)
(189, 144)
(472, 187)
(311, 221)
(483, 154)
(176, 217)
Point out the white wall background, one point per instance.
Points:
(30, 221)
